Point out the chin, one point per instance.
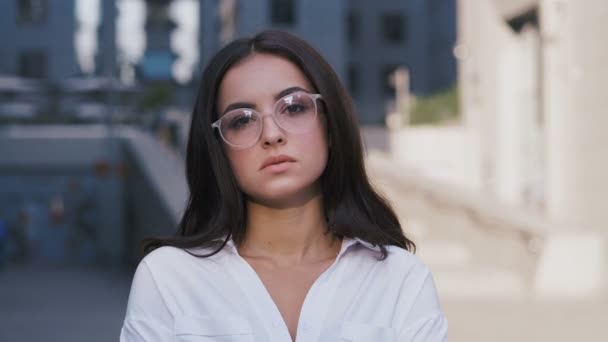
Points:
(285, 195)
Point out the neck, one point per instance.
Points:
(289, 235)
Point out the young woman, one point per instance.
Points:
(283, 238)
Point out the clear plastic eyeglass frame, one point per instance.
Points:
(314, 97)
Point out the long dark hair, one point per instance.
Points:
(216, 208)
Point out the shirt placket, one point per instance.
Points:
(318, 301)
(260, 301)
(313, 311)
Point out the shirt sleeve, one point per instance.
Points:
(426, 321)
(148, 318)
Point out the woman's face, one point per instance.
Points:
(257, 83)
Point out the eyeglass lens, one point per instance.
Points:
(294, 113)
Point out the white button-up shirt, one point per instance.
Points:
(179, 297)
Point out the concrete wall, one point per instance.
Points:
(156, 189)
(575, 101)
(517, 141)
(441, 154)
(50, 156)
(537, 103)
(499, 82)
(146, 213)
(135, 185)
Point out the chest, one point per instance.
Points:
(288, 288)
(246, 301)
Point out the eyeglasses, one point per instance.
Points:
(242, 128)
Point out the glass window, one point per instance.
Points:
(33, 64)
(353, 79)
(394, 27)
(157, 17)
(353, 24)
(31, 12)
(282, 12)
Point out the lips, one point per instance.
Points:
(276, 160)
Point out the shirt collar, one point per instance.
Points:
(230, 245)
(347, 243)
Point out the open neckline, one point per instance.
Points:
(259, 296)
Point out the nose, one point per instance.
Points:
(272, 134)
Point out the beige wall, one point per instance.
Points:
(499, 81)
(535, 107)
(576, 98)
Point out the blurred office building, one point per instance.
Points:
(365, 41)
(43, 38)
(38, 39)
(37, 46)
(165, 43)
(65, 52)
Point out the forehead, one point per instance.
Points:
(259, 78)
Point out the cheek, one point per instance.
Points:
(241, 163)
(314, 148)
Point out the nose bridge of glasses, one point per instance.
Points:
(270, 124)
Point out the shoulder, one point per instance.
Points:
(405, 264)
(161, 263)
(165, 255)
(403, 257)
(401, 280)
(398, 264)
(170, 260)
(168, 268)
(419, 314)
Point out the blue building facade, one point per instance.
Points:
(38, 39)
(365, 41)
(384, 35)
(319, 22)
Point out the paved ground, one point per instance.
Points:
(59, 304)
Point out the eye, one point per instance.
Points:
(295, 105)
(241, 121)
(295, 108)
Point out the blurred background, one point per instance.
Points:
(483, 121)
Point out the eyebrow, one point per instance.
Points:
(277, 97)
